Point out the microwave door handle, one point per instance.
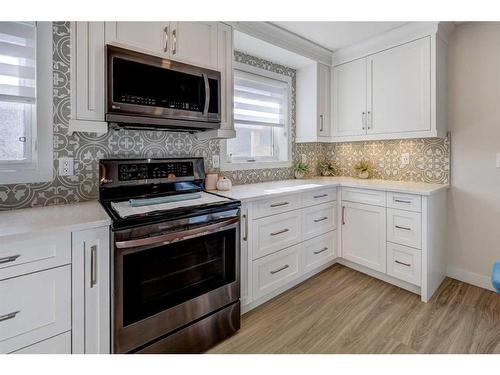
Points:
(207, 95)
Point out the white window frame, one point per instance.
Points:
(226, 164)
(40, 167)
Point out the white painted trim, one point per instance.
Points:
(227, 166)
(42, 169)
(87, 126)
(280, 37)
(468, 277)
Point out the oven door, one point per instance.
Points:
(166, 281)
(149, 90)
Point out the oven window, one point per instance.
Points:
(159, 278)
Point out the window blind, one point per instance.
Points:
(259, 100)
(17, 62)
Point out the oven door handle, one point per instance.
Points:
(177, 236)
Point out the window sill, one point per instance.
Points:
(237, 166)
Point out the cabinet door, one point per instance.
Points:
(149, 37)
(349, 98)
(91, 291)
(324, 100)
(194, 43)
(87, 70)
(225, 66)
(399, 92)
(245, 239)
(364, 235)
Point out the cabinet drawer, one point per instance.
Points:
(373, 197)
(409, 202)
(404, 263)
(319, 250)
(275, 233)
(34, 307)
(60, 344)
(275, 270)
(39, 252)
(310, 198)
(404, 227)
(317, 220)
(276, 205)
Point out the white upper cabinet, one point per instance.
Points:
(392, 86)
(88, 77)
(194, 43)
(349, 98)
(313, 103)
(399, 89)
(150, 37)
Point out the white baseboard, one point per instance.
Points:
(469, 277)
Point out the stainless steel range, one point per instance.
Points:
(176, 256)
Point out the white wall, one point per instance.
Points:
(474, 115)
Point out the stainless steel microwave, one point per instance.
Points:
(150, 92)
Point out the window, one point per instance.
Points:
(25, 102)
(261, 120)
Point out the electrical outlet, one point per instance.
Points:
(215, 161)
(66, 167)
(405, 158)
(303, 158)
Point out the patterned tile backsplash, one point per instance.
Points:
(429, 158)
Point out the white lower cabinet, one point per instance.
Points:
(275, 270)
(364, 235)
(404, 227)
(34, 307)
(404, 263)
(318, 219)
(60, 344)
(91, 291)
(319, 250)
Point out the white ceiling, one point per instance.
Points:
(259, 48)
(335, 35)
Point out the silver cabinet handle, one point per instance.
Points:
(369, 120)
(279, 204)
(9, 316)
(279, 232)
(165, 46)
(403, 228)
(363, 120)
(207, 94)
(174, 41)
(245, 218)
(402, 263)
(93, 266)
(280, 269)
(343, 215)
(320, 196)
(322, 219)
(9, 259)
(402, 201)
(320, 251)
(320, 123)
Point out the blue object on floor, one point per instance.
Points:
(495, 277)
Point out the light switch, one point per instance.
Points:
(215, 161)
(498, 160)
(66, 167)
(405, 158)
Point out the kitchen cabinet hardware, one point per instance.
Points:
(320, 196)
(369, 119)
(165, 46)
(9, 259)
(279, 269)
(402, 201)
(321, 251)
(93, 266)
(363, 120)
(279, 204)
(402, 263)
(279, 232)
(403, 228)
(343, 215)
(320, 123)
(8, 316)
(322, 219)
(174, 41)
(245, 226)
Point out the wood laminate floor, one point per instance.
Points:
(343, 311)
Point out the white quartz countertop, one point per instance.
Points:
(265, 189)
(70, 217)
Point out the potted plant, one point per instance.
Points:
(363, 169)
(301, 169)
(327, 168)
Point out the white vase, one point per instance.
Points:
(364, 174)
(224, 184)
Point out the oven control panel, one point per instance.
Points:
(146, 171)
